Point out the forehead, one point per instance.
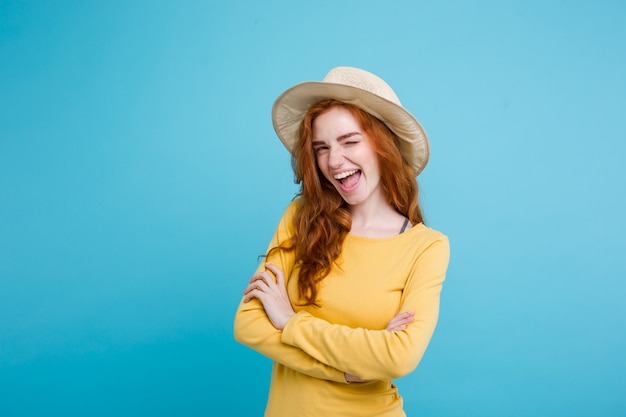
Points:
(335, 122)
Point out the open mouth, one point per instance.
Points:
(341, 177)
(348, 179)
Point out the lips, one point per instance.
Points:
(348, 180)
(345, 174)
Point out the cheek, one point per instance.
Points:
(322, 164)
(373, 161)
(320, 161)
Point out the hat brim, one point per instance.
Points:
(290, 107)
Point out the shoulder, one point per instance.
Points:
(290, 210)
(422, 239)
(293, 206)
(285, 226)
(422, 232)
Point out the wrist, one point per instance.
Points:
(285, 320)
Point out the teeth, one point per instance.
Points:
(345, 174)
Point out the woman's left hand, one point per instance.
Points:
(272, 293)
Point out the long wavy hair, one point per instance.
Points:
(322, 218)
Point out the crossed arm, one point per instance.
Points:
(272, 293)
(267, 323)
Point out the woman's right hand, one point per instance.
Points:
(399, 322)
(272, 293)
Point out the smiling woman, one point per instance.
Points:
(348, 297)
(346, 157)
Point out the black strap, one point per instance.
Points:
(406, 222)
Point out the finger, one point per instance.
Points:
(402, 317)
(397, 328)
(406, 316)
(255, 293)
(262, 280)
(278, 273)
(263, 275)
(259, 285)
(400, 321)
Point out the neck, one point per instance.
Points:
(375, 219)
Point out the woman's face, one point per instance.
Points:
(345, 156)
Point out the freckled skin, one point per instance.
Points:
(340, 145)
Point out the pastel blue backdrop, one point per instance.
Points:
(140, 178)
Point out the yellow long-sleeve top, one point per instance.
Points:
(373, 280)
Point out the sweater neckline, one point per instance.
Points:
(414, 229)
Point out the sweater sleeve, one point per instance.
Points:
(379, 354)
(253, 328)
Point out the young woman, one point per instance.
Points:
(348, 296)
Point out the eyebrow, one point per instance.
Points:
(339, 139)
(347, 135)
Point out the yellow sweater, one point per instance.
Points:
(374, 280)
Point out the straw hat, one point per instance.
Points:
(362, 89)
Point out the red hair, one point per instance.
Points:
(322, 219)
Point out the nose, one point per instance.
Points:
(335, 157)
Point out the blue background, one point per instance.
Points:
(140, 178)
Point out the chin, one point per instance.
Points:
(353, 201)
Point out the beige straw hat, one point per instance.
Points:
(362, 89)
